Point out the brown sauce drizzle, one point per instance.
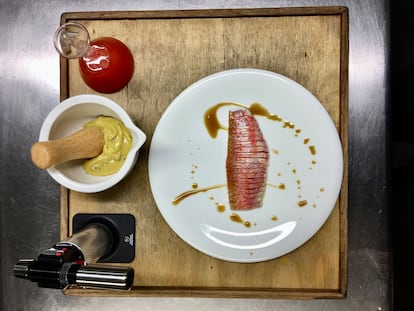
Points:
(213, 124)
(312, 150)
(211, 121)
(188, 193)
(302, 203)
(288, 124)
(259, 110)
(221, 208)
(193, 171)
(281, 186)
(236, 218)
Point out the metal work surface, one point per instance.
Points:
(29, 198)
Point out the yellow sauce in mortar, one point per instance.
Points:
(118, 142)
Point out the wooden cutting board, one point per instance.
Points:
(172, 50)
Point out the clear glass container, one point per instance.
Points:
(106, 64)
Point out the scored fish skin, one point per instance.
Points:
(247, 161)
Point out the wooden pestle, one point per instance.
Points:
(86, 143)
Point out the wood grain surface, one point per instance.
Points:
(173, 49)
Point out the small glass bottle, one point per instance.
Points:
(106, 64)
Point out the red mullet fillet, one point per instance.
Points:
(247, 161)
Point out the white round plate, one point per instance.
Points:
(304, 174)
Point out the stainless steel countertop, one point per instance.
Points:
(29, 198)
